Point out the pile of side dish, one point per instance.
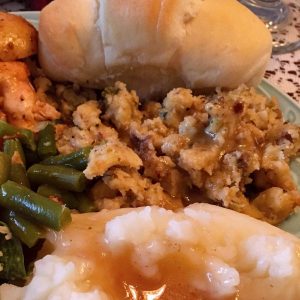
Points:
(67, 149)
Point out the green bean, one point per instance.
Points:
(66, 197)
(14, 150)
(18, 174)
(26, 231)
(10, 147)
(85, 204)
(77, 160)
(33, 206)
(59, 176)
(11, 258)
(78, 201)
(25, 135)
(4, 167)
(46, 143)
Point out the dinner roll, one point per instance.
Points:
(153, 45)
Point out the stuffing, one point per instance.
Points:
(110, 154)
(155, 166)
(121, 106)
(276, 168)
(177, 104)
(230, 148)
(153, 129)
(65, 96)
(151, 110)
(242, 137)
(160, 168)
(199, 159)
(87, 115)
(276, 203)
(88, 129)
(173, 144)
(70, 139)
(138, 190)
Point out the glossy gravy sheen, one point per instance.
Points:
(117, 274)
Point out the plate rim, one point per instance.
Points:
(282, 93)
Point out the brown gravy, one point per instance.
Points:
(117, 275)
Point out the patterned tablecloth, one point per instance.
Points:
(283, 70)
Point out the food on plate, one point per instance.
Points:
(18, 38)
(231, 149)
(153, 46)
(20, 104)
(105, 147)
(152, 253)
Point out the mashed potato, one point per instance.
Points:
(54, 278)
(200, 252)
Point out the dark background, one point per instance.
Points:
(6, 5)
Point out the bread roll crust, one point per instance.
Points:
(153, 45)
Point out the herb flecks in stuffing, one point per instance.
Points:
(230, 149)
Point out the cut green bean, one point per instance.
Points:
(4, 167)
(78, 201)
(77, 160)
(11, 258)
(66, 197)
(46, 143)
(33, 206)
(14, 150)
(59, 176)
(26, 231)
(25, 135)
(18, 174)
(10, 147)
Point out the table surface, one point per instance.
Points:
(283, 70)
